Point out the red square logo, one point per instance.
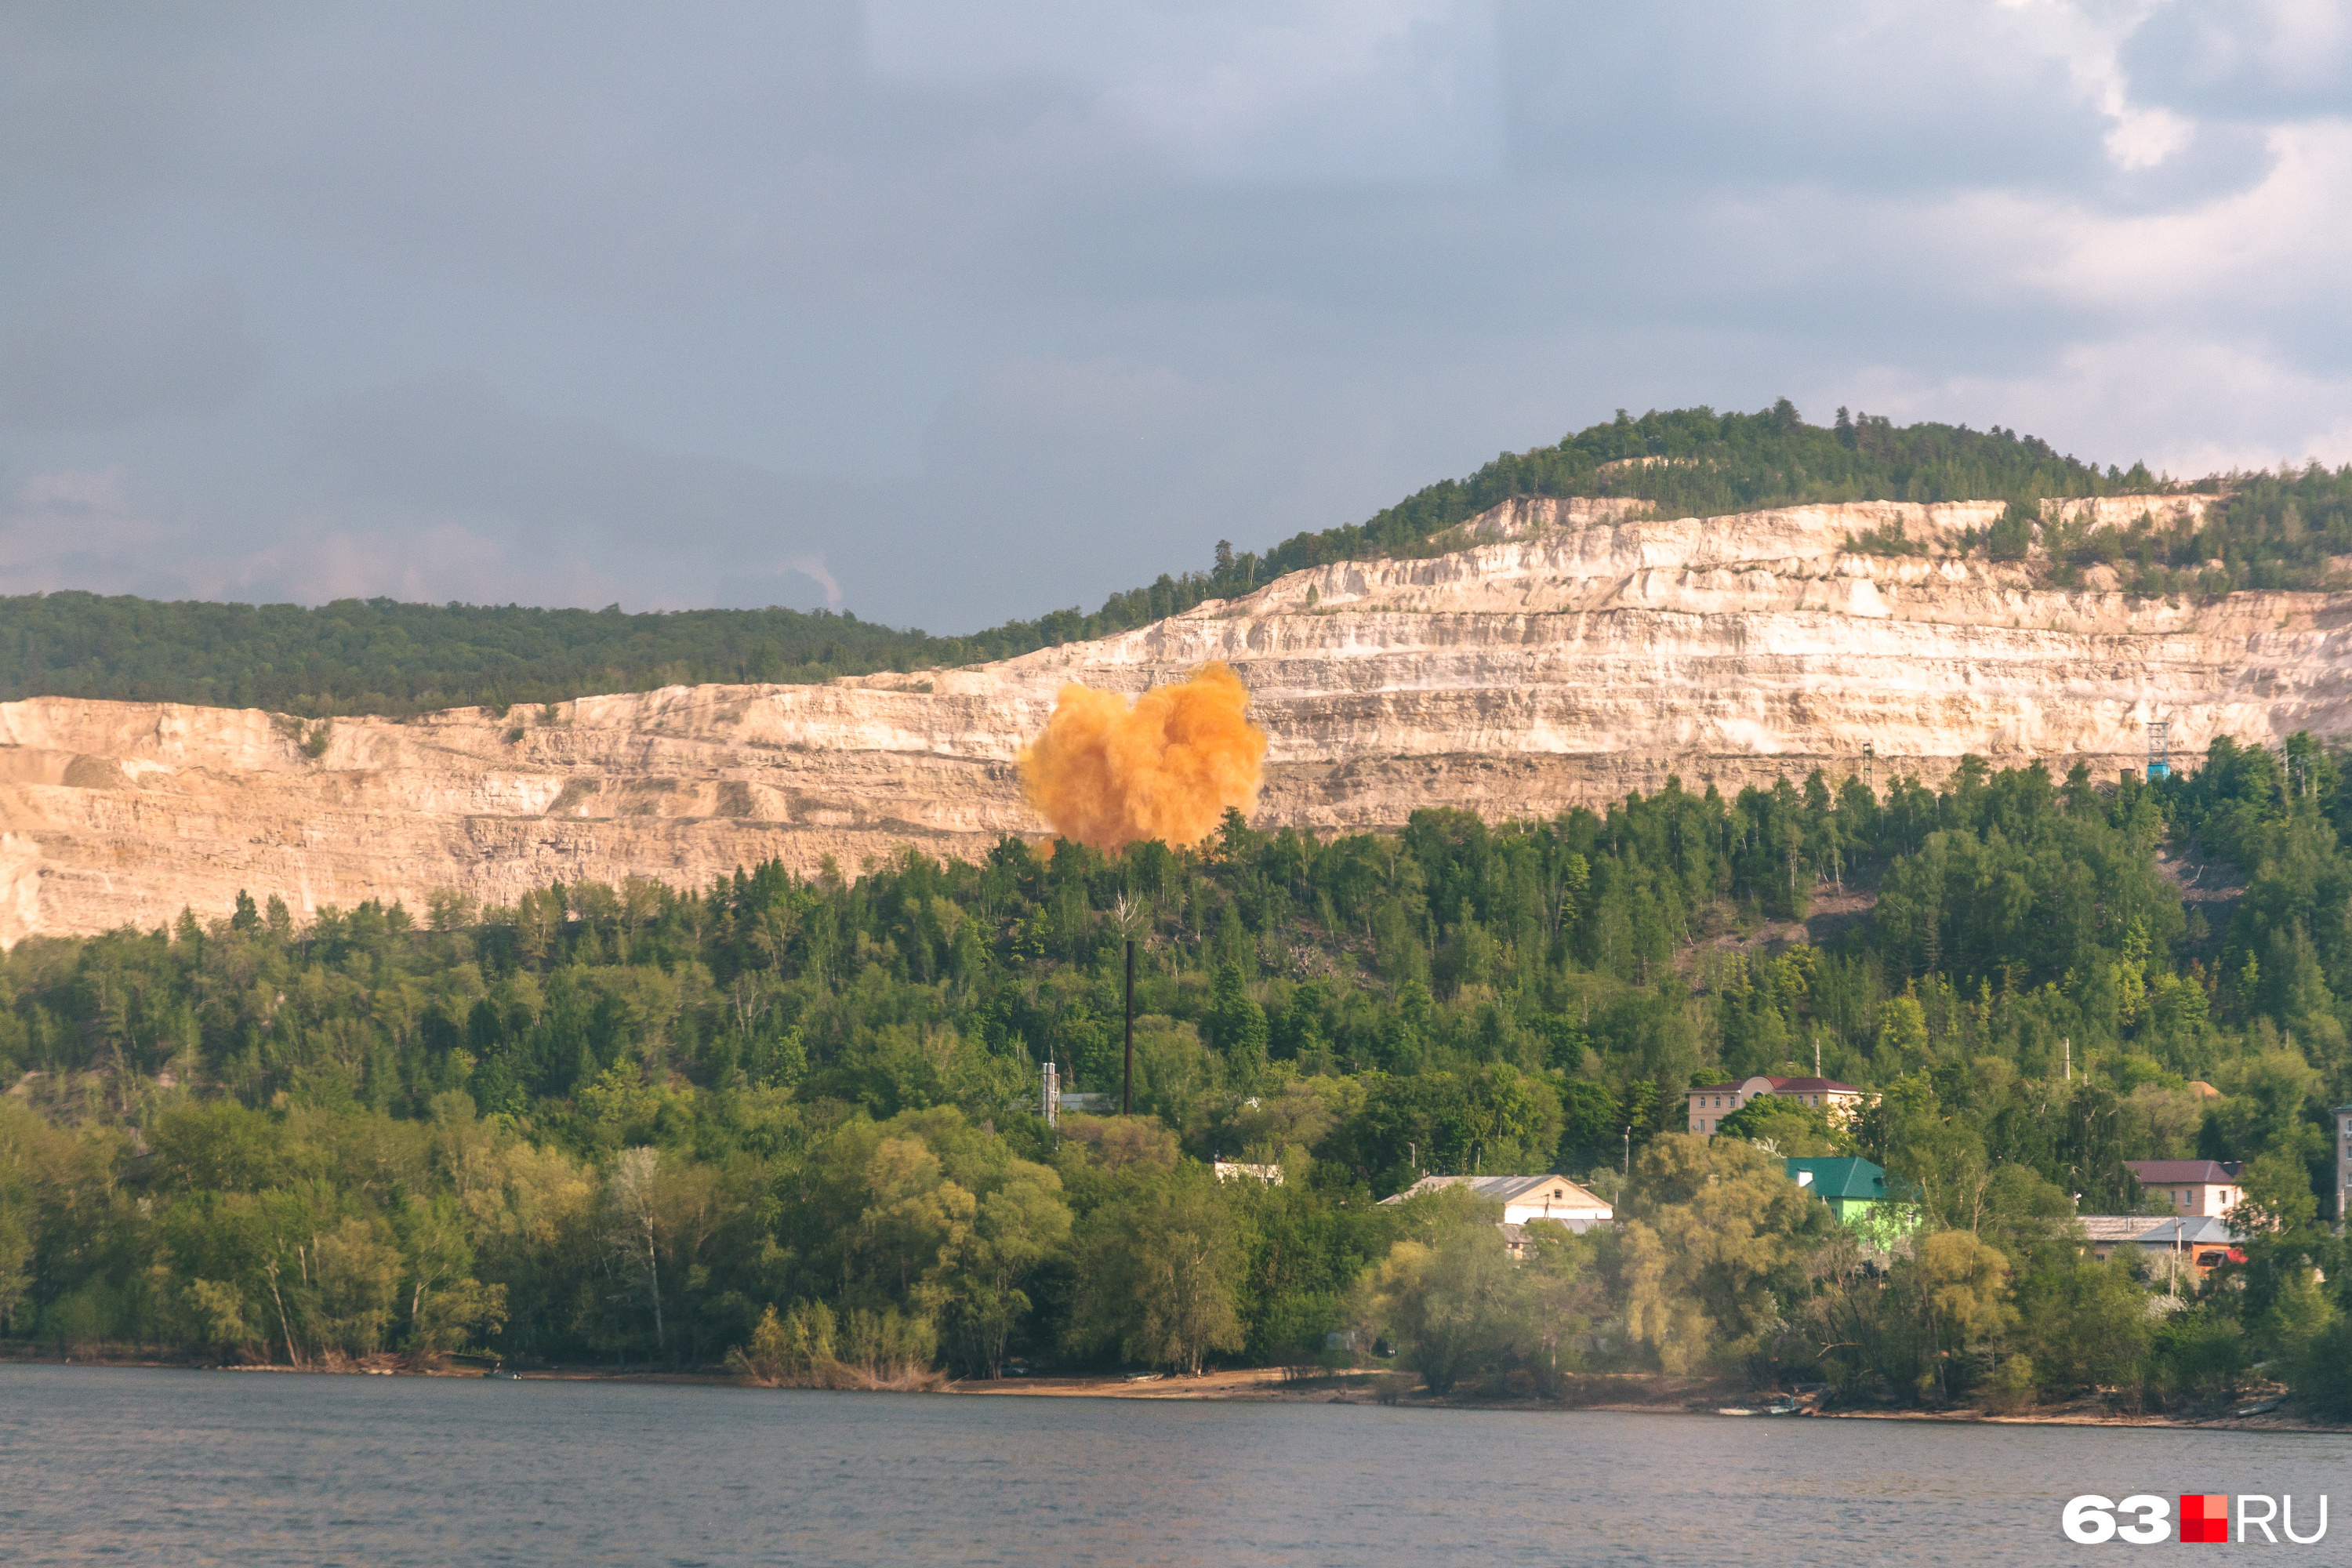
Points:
(2205, 1515)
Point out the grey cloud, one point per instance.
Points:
(2244, 59)
(1291, 93)
(1781, 92)
(2221, 157)
(104, 354)
(514, 496)
(719, 304)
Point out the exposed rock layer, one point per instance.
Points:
(1560, 655)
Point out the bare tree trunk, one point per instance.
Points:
(293, 1356)
(653, 1280)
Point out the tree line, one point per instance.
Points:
(796, 1119)
(378, 655)
(382, 656)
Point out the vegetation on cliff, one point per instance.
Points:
(796, 1119)
(381, 657)
(376, 656)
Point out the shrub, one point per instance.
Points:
(2012, 1389)
(796, 1348)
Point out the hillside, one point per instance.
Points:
(386, 658)
(1565, 652)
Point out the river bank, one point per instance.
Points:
(1618, 1393)
(1624, 1396)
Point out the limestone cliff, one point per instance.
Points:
(1560, 653)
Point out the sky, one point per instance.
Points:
(949, 314)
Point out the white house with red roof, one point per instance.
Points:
(1710, 1103)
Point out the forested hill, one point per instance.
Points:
(653, 1124)
(377, 656)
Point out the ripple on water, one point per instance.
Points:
(194, 1467)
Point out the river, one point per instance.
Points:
(187, 1467)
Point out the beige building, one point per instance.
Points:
(1524, 1198)
(2206, 1188)
(1710, 1103)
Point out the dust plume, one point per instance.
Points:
(1107, 773)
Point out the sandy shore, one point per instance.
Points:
(1624, 1395)
(1645, 1396)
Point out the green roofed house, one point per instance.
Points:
(1857, 1195)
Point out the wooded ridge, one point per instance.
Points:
(793, 1119)
(381, 657)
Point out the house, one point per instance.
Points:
(1854, 1189)
(2205, 1188)
(1710, 1103)
(1234, 1170)
(1524, 1198)
(2205, 1242)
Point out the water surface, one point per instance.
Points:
(125, 1466)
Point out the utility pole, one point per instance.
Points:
(1817, 1055)
(2069, 1044)
(1629, 1148)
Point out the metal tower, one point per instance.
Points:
(2160, 749)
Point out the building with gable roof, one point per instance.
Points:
(2200, 1241)
(1710, 1103)
(2206, 1188)
(1524, 1198)
(1850, 1187)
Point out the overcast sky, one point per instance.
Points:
(951, 313)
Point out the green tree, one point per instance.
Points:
(974, 1288)
(1781, 1125)
(1713, 1249)
(1161, 1269)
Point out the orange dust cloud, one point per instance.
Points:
(1107, 774)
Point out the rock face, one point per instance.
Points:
(1561, 654)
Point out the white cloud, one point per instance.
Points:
(2088, 39)
(2271, 248)
(2222, 405)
